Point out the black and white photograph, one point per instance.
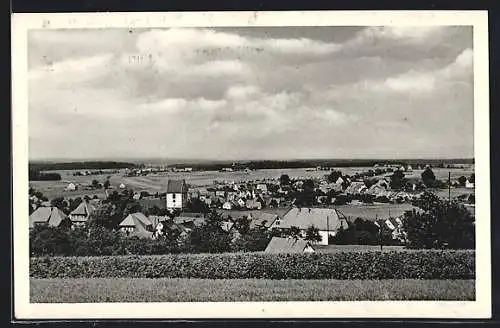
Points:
(254, 160)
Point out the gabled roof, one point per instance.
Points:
(84, 209)
(193, 221)
(355, 187)
(227, 225)
(286, 245)
(262, 218)
(47, 215)
(321, 218)
(137, 220)
(177, 186)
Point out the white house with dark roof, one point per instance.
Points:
(327, 220)
(137, 224)
(80, 215)
(177, 191)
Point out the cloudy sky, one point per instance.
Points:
(251, 93)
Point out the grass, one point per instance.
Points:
(250, 290)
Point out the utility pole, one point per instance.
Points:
(449, 187)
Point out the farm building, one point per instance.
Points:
(327, 220)
(48, 216)
(137, 224)
(261, 219)
(262, 187)
(80, 215)
(468, 184)
(71, 187)
(177, 191)
(227, 206)
(356, 188)
(122, 186)
(279, 245)
(189, 222)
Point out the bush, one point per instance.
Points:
(344, 265)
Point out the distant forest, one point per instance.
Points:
(91, 165)
(268, 164)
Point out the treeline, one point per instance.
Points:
(90, 165)
(327, 163)
(35, 175)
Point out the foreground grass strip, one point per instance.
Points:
(222, 290)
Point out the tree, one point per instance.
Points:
(210, 237)
(312, 234)
(439, 224)
(472, 178)
(462, 180)
(398, 180)
(242, 224)
(106, 184)
(428, 177)
(255, 240)
(95, 184)
(60, 203)
(334, 176)
(284, 180)
(294, 232)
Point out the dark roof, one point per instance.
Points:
(177, 186)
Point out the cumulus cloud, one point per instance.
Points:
(206, 93)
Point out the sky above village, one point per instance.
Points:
(251, 93)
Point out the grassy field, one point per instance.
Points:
(158, 182)
(201, 290)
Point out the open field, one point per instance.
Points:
(373, 211)
(250, 290)
(158, 182)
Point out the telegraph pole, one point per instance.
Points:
(449, 187)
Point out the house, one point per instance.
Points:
(80, 215)
(176, 194)
(253, 204)
(71, 187)
(137, 224)
(122, 186)
(262, 187)
(227, 206)
(241, 202)
(48, 216)
(279, 245)
(227, 225)
(189, 222)
(327, 220)
(356, 188)
(261, 219)
(469, 184)
(339, 181)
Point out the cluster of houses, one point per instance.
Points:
(328, 221)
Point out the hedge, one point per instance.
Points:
(343, 265)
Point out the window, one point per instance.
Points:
(173, 196)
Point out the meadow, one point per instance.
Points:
(250, 290)
(158, 182)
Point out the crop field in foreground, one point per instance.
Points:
(207, 290)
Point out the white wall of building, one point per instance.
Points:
(175, 200)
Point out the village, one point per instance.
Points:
(284, 207)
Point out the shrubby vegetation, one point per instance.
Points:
(350, 265)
